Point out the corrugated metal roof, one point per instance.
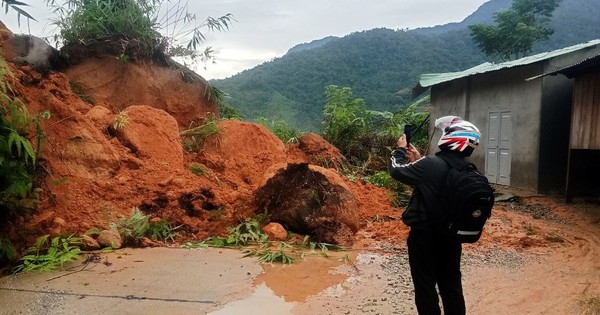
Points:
(431, 79)
(593, 61)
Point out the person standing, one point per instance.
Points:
(434, 257)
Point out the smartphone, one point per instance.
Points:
(407, 132)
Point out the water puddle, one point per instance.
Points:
(281, 287)
(305, 277)
(262, 301)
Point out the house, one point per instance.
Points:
(583, 168)
(525, 124)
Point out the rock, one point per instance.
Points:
(146, 242)
(152, 135)
(310, 200)
(275, 231)
(59, 222)
(89, 243)
(110, 238)
(34, 51)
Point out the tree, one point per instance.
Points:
(516, 29)
(16, 5)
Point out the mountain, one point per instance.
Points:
(381, 65)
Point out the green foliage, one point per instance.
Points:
(8, 253)
(193, 138)
(138, 225)
(93, 231)
(151, 25)
(363, 135)
(47, 257)
(17, 153)
(226, 111)
(197, 169)
(382, 179)
(162, 230)
(133, 228)
(345, 119)
(278, 255)
(516, 29)
(281, 129)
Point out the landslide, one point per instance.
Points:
(92, 174)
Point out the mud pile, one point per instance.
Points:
(113, 143)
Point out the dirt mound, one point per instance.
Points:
(312, 201)
(318, 151)
(116, 85)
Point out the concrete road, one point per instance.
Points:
(135, 281)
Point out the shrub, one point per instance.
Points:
(17, 154)
(139, 27)
(281, 129)
(345, 120)
(8, 253)
(45, 257)
(133, 228)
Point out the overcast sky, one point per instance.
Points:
(266, 29)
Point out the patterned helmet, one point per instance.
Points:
(458, 135)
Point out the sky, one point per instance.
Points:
(267, 29)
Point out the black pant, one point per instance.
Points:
(435, 260)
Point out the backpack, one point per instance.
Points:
(465, 203)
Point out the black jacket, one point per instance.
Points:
(427, 176)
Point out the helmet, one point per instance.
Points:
(457, 135)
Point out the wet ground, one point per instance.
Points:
(526, 264)
(207, 281)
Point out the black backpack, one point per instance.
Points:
(465, 203)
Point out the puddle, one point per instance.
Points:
(262, 301)
(282, 287)
(305, 277)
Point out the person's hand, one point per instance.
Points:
(401, 143)
(412, 154)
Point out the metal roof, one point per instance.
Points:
(431, 79)
(574, 69)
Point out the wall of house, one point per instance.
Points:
(473, 98)
(447, 99)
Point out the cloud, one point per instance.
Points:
(266, 29)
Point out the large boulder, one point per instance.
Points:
(310, 200)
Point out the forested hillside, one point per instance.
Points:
(380, 65)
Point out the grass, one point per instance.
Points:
(197, 169)
(193, 138)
